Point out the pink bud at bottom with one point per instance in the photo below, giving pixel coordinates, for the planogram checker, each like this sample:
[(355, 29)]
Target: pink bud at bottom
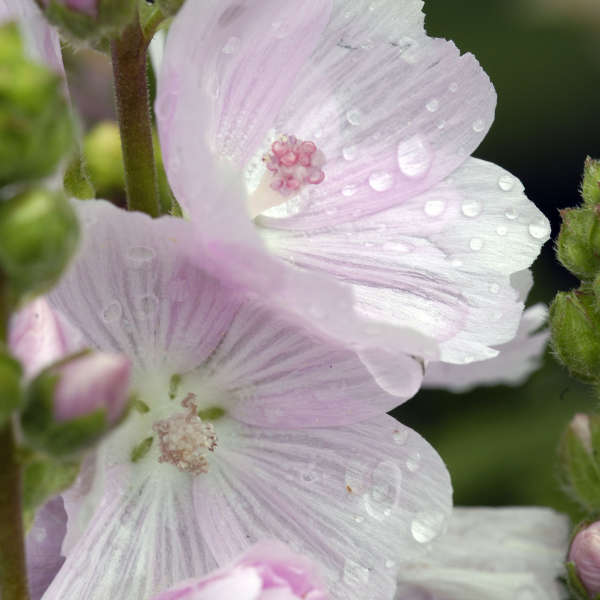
[(585, 553), (92, 382)]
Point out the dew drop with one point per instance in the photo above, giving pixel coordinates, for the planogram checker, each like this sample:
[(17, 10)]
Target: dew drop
[(413, 461), (148, 306), (384, 494), (426, 526), (354, 116), (232, 45), (472, 208), (112, 312), (453, 87), (539, 229), (501, 230), (441, 124), (350, 152), (476, 244), (434, 208), (456, 263), (355, 574), (400, 436), (414, 159), (506, 183), (389, 564), (511, 214), (141, 256), (494, 288), (358, 518), (39, 533), (349, 190), (478, 125), (381, 181), (433, 105)]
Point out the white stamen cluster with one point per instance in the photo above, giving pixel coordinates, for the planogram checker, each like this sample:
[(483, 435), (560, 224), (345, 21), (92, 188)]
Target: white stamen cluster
[(185, 438)]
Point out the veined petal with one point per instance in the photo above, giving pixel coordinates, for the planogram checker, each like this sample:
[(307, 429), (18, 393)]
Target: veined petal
[(43, 546), (514, 364), (356, 499), (142, 537), (284, 377), (133, 289), (492, 553)]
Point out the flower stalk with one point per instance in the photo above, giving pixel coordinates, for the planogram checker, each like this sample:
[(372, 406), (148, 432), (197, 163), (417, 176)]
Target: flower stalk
[(129, 56)]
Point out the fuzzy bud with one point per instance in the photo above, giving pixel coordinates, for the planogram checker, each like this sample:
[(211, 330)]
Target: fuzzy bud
[(38, 234), (578, 462), (585, 556), (90, 20), (36, 130), (590, 186), (575, 327), (578, 244), (71, 404)]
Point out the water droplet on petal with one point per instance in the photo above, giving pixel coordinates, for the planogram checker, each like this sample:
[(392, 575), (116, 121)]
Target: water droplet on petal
[(112, 312), (349, 190), (539, 229), (232, 45), (471, 208), (426, 526), (433, 105), (384, 494), (414, 159), (506, 183), (441, 124), (141, 256), (511, 214), (478, 125), (501, 230), (453, 87), (355, 574), (354, 116), (389, 564), (456, 263), (434, 208), (400, 436), (476, 244), (381, 181), (494, 288), (358, 518), (413, 461), (148, 306), (350, 152)]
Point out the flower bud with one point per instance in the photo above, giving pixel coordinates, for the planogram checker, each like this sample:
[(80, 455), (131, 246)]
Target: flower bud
[(71, 404), (38, 235), (36, 130), (575, 327), (590, 186), (578, 244), (578, 460), (90, 20), (585, 556)]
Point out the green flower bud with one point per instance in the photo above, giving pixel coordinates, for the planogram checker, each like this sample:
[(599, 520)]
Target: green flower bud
[(91, 21), (36, 130), (38, 235), (578, 460), (578, 244), (590, 186), (10, 386), (575, 328)]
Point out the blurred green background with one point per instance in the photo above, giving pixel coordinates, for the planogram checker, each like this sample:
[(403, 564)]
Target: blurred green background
[(543, 57)]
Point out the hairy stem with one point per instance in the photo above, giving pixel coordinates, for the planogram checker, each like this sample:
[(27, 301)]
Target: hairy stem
[(13, 571), (129, 55)]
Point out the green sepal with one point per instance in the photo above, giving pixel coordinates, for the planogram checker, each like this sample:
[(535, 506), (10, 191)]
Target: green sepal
[(578, 244), (11, 395), (44, 478), (60, 439), (39, 232), (76, 181), (36, 129), (576, 587), (590, 186), (579, 469)]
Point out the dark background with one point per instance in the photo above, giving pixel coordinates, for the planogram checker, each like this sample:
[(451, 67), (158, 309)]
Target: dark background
[(544, 60)]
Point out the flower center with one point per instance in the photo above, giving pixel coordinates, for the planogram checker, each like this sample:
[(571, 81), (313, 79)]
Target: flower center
[(185, 439), (292, 164)]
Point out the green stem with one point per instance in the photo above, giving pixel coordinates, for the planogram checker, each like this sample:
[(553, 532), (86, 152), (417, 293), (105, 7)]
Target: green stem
[(13, 571), (129, 55)]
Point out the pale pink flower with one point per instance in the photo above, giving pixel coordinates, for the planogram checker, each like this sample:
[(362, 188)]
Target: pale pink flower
[(418, 239), (268, 571), (259, 429), (585, 553), (492, 554)]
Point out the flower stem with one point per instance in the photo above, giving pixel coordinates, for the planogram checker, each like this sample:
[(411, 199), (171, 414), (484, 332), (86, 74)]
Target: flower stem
[(13, 570), (129, 55)]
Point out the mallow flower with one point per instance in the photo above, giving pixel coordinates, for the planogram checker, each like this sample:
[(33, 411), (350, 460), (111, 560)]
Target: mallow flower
[(351, 131), (492, 554), (267, 571), (247, 426)]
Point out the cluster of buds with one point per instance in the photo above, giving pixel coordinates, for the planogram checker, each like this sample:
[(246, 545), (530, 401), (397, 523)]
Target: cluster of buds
[(575, 315)]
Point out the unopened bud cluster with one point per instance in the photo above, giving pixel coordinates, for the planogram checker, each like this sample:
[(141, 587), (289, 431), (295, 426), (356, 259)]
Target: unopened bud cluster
[(575, 315)]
